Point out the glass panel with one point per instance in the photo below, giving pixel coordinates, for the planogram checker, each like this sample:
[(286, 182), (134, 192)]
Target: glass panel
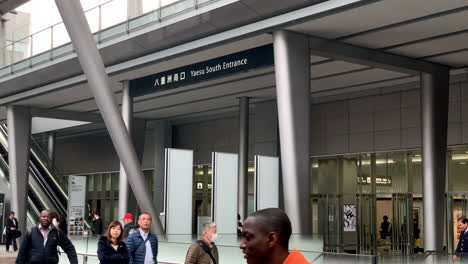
[(115, 181), (458, 166), (113, 31), (113, 13), (5, 71), (42, 41), (41, 58), (91, 183), (60, 35), (93, 19), (21, 50), (98, 179), (143, 20), (62, 50), (21, 65), (168, 2), (415, 171), (176, 8), (199, 2), (108, 179)]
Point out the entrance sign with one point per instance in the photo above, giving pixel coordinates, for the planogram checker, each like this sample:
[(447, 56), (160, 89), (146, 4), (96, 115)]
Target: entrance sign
[(224, 192), (266, 182), (178, 191), (76, 205), (219, 67)]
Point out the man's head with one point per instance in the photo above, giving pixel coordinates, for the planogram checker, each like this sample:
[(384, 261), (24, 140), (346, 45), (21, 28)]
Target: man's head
[(385, 218), (45, 218), (144, 221), (462, 224), (11, 215), (128, 218), (265, 233), (209, 232), (96, 215)]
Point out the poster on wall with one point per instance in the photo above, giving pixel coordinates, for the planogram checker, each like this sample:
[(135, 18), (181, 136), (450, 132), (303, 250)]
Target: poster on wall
[(349, 218), (76, 205)]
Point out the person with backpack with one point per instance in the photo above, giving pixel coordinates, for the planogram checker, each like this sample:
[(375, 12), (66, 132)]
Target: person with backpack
[(204, 251), (142, 245), (40, 244)]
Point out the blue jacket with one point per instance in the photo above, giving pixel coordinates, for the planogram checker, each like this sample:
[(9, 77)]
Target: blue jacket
[(137, 253)]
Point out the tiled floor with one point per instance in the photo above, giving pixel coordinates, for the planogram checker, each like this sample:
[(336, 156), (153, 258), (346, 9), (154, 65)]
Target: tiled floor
[(7, 257)]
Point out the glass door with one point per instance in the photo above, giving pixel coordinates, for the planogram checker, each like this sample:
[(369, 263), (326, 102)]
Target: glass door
[(329, 207), (366, 224), (402, 226)]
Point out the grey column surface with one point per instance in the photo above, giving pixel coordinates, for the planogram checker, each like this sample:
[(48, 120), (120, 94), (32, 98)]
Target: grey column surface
[(434, 115), (243, 156), (292, 73), (99, 83), (51, 148), (163, 140), (127, 115), (19, 139)]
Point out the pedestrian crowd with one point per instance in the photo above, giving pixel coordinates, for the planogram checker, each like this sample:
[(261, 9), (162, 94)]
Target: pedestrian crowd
[(264, 239)]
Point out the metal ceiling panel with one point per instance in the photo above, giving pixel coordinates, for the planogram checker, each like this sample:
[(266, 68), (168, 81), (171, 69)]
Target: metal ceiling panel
[(436, 46), (370, 16), (414, 31), (459, 59)]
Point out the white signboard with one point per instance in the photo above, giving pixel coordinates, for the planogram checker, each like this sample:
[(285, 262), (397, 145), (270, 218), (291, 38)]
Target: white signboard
[(266, 182), (224, 192), (178, 191), (76, 205)]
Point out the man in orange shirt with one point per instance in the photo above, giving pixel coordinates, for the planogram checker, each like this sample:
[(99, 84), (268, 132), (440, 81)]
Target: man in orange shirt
[(265, 239)]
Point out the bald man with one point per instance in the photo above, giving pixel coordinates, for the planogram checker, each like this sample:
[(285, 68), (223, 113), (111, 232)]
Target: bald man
[(265, 239)]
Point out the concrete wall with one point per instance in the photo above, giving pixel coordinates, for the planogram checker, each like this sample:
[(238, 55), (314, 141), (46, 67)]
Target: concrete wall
[(382, 122)]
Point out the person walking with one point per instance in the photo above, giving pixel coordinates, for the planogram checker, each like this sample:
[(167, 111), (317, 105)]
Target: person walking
[(111, 248), (265, 239), (204, 251), (39, 246), (462, 248), (96, 227), (11, 231), (143, 245), (129, 227)]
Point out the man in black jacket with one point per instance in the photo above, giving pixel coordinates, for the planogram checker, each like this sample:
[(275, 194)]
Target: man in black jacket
[(96, 227), (39, 246), (11, 232), (462, 248)]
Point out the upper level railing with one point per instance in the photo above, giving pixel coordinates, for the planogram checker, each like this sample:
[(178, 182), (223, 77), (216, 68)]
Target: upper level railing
[(53, 42)]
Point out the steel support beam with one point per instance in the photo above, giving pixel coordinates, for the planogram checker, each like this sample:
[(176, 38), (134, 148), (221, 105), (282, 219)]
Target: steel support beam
[(434, 116), (293, 92), (19, 139), (243, 156), (346, 52), (99, 82)]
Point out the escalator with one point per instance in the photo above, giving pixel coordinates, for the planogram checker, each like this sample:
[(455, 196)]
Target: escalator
[(45, 189)]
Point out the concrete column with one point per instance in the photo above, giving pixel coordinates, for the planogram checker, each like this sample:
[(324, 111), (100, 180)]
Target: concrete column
[(51, 148), (163, 139), (292, 71), (19, 139), (127, 115), (99, 84), (243, 156), (434, 116)]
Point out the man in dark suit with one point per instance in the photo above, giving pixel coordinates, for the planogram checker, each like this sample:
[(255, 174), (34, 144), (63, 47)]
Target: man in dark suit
[(11, 232), (462, 249)]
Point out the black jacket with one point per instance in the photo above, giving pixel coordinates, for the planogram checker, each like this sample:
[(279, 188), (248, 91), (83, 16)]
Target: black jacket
[(108, 255), (33, 251), (97, 226), (462, 248), (127, 228), (11, 223)]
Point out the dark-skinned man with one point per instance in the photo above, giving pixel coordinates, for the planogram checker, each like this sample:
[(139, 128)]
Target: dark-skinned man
[(265, 239), (39, 245)]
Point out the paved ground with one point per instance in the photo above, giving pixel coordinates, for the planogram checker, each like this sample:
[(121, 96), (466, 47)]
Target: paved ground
[(7, 257)]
